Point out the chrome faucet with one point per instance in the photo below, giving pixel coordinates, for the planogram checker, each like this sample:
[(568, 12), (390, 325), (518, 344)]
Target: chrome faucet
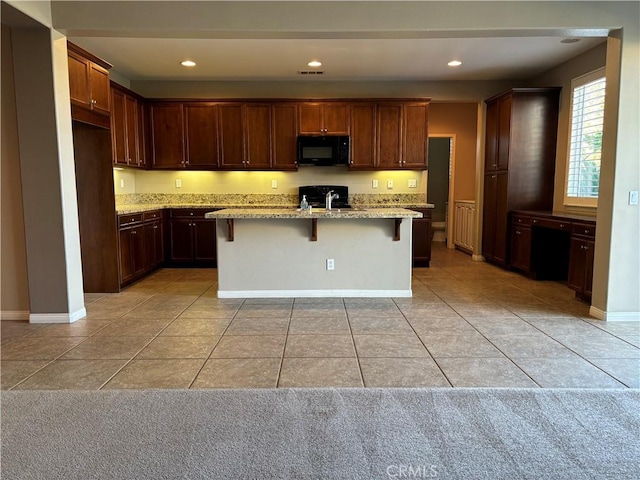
[(330, 196)]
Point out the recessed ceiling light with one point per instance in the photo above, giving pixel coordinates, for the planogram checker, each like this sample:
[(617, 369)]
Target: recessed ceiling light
[(454, 63), (188, 63), (570, 40), (314, 63)]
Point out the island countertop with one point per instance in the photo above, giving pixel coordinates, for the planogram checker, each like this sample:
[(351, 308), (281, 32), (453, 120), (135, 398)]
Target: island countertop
[(236, 213)]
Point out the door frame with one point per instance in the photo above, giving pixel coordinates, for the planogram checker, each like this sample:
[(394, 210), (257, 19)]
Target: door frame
[(452, 169)]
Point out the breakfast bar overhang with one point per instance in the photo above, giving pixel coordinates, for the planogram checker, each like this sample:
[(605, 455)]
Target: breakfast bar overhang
[(264, 252)]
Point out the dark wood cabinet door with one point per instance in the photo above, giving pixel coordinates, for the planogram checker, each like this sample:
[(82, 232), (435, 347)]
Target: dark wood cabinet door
[(204, 240), (310, 119), (502, 219), (79, 89), (118, 128), (181, 240), (491, 138), (153, 244), (126, 256), (335, 119), (131, 117), (421, 231), (167, 135), (389, 131), (489, 215), (284, 130), (141, 135), (415, 133), (504, 133), (257, 130), (363, 136), (201, 132), (138, 249), (231, 137), (590, 246), (521, 248), (577, 264), (100, 88)]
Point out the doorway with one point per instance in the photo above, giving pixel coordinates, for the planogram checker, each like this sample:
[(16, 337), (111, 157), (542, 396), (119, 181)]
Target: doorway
[(439, 175)]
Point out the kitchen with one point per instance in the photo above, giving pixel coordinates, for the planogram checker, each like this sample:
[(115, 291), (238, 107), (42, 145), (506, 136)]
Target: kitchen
[(443, 119)]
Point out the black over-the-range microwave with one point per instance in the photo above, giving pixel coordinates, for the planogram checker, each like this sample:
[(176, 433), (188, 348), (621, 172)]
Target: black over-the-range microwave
[(325, 150)]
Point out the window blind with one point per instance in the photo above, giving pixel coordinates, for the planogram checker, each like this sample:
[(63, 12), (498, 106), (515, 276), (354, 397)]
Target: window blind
[(587, 120)]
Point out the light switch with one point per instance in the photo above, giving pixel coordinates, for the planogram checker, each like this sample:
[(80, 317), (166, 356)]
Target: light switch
[(413, 183), (122, 183), (389, 184), (178, 183), (633, 197), (374, 183), (274, 183)]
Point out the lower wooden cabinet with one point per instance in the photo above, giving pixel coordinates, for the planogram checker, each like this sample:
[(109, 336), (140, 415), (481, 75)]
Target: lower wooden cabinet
[(581, 260), (191, 237), (422, 238), (140, 244), (521, 248)]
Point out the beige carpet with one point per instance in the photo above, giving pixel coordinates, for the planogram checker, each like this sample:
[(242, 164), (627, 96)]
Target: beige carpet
[(321, 434)]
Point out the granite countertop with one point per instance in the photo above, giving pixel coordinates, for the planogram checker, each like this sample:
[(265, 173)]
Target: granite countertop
[(315, 213), (147, 207)]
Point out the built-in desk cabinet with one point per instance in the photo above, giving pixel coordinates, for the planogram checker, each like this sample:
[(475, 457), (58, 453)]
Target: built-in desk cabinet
[(548, 246), (520, 151)]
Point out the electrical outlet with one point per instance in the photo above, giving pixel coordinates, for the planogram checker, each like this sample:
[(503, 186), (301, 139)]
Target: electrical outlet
[(374, 183), (122, 183), (413, 183), (178, 183), (274, 183), (389, 184), (633, 197), (330, 264)]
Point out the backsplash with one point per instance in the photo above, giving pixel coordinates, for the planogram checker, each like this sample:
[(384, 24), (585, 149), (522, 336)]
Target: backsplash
[(233, 199)]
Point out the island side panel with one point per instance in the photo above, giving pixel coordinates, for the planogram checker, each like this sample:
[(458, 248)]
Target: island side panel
[(276, 257)]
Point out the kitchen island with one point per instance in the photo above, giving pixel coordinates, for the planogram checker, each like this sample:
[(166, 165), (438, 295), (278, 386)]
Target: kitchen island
[(284, 252)]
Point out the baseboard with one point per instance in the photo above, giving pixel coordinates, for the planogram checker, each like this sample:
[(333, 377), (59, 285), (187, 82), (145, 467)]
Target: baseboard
[(477, 258), (58, 317), (14, 315), (614, 316), (312, 293)]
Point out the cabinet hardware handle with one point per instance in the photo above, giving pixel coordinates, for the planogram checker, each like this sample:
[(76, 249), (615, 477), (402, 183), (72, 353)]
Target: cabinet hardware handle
[(494, 176), (518, 232), (535, 221), (586, 231), (190, 213), (562, 225)]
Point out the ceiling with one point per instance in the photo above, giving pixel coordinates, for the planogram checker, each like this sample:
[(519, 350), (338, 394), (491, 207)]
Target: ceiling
[(414, 59)]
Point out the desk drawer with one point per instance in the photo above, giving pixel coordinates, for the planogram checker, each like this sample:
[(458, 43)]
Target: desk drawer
[(553, 224), (584, 230), (522, 220), (190, 212)]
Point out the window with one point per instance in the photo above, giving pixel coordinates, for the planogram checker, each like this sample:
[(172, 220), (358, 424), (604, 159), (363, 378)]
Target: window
[(585, 139)]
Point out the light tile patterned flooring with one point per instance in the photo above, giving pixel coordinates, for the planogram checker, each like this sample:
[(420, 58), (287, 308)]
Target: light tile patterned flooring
[(468, 324)]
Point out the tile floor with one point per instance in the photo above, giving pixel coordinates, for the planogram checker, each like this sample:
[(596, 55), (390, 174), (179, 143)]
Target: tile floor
[(468, 324)]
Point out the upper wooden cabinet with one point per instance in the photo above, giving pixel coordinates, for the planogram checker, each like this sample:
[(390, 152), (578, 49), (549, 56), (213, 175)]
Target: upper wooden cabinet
[(128, 128), (324, 118), (89, 87), (262, 135), (201, 135), (403, 132), (166, 124), (284, 118), (363, 136)]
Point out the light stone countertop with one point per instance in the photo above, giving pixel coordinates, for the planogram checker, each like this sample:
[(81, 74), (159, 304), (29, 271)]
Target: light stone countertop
[(147, 207), (235, 213)]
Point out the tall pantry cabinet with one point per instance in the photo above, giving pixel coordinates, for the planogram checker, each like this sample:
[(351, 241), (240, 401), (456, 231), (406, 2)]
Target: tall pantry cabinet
[(520, 154)]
